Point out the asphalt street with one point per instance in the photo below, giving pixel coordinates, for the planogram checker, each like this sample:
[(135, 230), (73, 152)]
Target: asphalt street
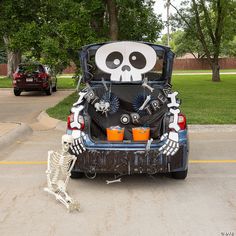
[(203, 204)]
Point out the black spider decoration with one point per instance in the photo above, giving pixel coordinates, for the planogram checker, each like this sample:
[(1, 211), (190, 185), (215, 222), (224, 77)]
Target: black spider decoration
[(113, 100)]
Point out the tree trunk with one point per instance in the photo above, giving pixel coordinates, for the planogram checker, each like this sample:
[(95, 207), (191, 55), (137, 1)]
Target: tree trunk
[(215, 71), (113, 22), (13, 60)]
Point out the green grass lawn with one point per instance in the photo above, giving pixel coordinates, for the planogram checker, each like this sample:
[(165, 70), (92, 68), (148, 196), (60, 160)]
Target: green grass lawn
[(5, 82), (65, 83), (62, 109), (203, 101), (62, 83)]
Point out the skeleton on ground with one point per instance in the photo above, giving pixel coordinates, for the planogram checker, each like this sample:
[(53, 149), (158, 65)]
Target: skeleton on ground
[(58, 173)]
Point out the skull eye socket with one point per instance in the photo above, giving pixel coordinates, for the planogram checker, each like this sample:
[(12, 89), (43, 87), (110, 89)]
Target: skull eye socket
[(137, 60), (114, 60)]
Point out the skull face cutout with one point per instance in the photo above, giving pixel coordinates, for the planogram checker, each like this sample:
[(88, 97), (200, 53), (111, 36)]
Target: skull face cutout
[(125, 61)]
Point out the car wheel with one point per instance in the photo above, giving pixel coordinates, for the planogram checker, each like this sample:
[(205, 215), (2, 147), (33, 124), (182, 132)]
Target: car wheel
[(76, 175), (54, 89), (179, 174), (17, 92), (49, 90)]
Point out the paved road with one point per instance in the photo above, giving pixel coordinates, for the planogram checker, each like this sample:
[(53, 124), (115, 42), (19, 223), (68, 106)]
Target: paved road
[(26, 107), (203, 204)]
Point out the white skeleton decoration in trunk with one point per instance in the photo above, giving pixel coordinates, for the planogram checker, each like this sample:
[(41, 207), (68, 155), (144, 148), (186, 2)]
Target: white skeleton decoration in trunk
[(171, 139), (58, 173), (77, 147)]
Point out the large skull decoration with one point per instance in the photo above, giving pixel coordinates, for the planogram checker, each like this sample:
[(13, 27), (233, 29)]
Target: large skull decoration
[(125, 61)]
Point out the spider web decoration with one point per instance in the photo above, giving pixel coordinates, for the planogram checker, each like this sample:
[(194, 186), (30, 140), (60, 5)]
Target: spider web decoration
[(138, 102), (113, 100)]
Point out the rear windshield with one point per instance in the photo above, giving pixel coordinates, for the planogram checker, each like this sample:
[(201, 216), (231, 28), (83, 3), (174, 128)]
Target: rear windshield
[(155, 74), (30, 68)]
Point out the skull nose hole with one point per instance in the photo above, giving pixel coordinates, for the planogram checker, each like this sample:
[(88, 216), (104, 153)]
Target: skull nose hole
[(125, 67)]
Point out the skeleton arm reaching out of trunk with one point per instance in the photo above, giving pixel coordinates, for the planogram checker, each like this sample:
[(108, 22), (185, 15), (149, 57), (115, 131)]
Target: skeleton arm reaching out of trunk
[(171, 139)]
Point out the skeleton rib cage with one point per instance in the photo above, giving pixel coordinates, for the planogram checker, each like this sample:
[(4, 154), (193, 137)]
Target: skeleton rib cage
[(59, 166)]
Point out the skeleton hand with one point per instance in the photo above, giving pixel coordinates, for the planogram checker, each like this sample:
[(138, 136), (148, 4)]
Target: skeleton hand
[(77, 146), (171, 145)]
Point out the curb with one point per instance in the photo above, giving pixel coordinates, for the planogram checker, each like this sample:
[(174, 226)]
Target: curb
[(211, 128), (51, 123), (16, 134)]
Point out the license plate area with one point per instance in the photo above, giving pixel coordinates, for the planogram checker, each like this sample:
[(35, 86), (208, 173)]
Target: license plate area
[(29, 80)]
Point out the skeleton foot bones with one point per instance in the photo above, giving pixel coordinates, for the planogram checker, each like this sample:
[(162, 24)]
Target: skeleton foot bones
[(171, 139), (58, 173)]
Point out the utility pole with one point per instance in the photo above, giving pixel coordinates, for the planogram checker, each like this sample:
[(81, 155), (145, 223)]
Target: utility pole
[(168, 22)]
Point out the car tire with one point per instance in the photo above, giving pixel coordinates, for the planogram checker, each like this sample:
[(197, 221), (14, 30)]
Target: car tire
[(76, 175), (179, 174), (49, 90), (54, 89), (17, 92)]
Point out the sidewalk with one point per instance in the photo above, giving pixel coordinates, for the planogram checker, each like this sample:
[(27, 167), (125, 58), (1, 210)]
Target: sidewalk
[(12, 132), (7, 127)]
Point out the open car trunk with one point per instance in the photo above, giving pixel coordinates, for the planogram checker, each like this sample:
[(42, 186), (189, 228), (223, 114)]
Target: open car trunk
[(127, 99)]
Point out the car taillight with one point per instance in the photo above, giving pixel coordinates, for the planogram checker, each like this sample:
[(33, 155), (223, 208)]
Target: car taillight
[(70, 119), (17, 76), (42, 75), (182, 122)]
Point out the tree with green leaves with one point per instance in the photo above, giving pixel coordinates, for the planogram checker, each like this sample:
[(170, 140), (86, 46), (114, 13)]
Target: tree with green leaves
[(53, 31), (182, 43), (211, 22)]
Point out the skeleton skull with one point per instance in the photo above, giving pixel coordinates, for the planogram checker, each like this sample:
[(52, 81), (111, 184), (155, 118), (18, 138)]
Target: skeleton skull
[(125, 61), (66, 141)]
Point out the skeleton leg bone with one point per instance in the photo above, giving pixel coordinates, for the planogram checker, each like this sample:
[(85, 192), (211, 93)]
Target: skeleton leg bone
[(113, 181), (174, 125)]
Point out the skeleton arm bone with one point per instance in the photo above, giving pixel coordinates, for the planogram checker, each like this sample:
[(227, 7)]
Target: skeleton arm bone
[(145, 84), (174, 125), (145, 102), (76, 111), (81, 98), (74, 158), (48, 171)]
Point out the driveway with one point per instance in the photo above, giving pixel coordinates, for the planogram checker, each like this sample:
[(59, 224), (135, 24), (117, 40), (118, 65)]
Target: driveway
[(26, 108)]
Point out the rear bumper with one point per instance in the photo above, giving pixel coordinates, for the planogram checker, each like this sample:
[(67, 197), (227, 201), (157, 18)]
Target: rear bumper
[(31, 86), (131, 158)]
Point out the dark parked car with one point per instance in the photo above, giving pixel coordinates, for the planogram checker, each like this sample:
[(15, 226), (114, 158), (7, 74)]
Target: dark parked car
[(127, 118), (33, 77)]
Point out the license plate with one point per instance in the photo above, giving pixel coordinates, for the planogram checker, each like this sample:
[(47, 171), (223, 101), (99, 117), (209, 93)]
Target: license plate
[(29, 79)]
